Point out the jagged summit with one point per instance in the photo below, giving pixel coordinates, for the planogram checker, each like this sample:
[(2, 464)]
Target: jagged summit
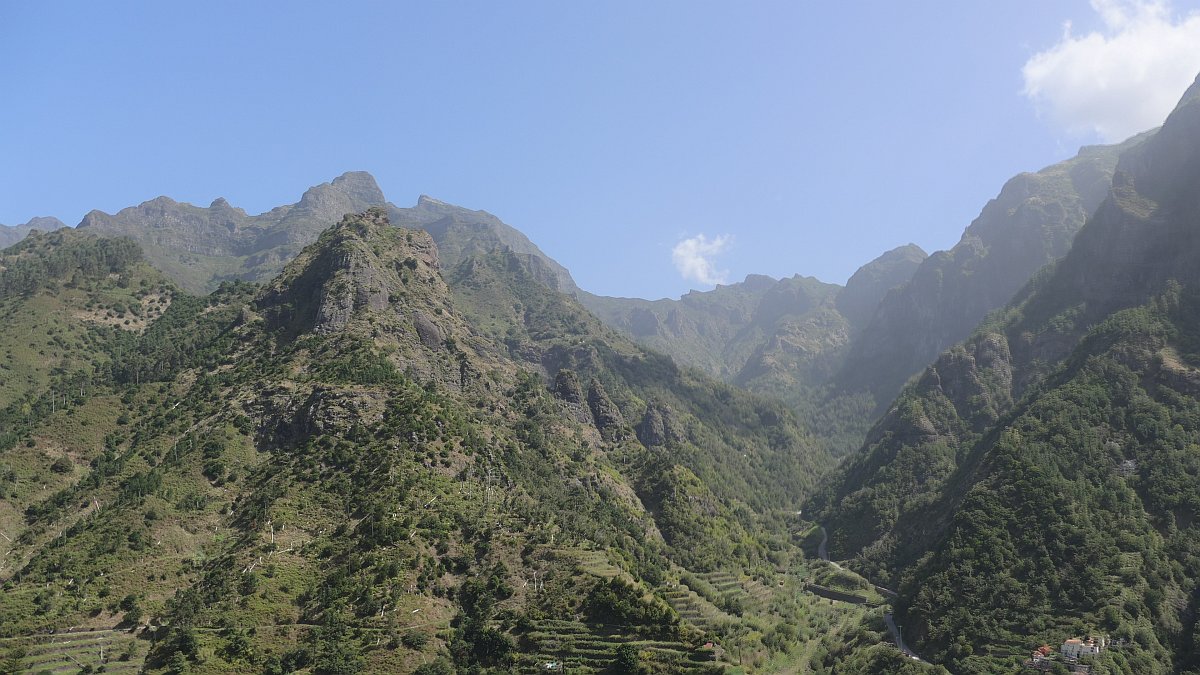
[(222, 204), (365, 281), (201, 247), (758, 281), (427, 201), (352, 187)]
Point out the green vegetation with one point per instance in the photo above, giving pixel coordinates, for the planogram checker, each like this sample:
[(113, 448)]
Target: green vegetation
[(1039, 481), (338, 473)]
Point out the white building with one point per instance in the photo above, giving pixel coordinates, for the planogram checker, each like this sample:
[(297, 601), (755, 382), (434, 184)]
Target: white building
[(1075, 647)]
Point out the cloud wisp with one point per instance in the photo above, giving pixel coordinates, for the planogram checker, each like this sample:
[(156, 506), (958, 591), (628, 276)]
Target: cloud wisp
[(693, 257), (1119, 81)]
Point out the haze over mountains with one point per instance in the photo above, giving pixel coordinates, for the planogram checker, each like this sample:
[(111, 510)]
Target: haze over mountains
[(314, 422), (1054, 453)]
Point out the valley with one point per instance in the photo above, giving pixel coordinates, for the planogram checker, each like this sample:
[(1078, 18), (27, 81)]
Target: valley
[(344, 436)]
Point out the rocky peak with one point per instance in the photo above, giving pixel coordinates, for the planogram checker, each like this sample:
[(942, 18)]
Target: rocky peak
[(758, 282), (361, 265), (93, 218), (159, 203), (351, 192), (425, 201), (360, 186), (608, 417), (658, 426), (221, 206)]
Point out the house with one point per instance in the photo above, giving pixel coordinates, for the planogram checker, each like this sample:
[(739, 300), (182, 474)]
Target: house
[(713, 651), (1128, 468), (1076, 647)]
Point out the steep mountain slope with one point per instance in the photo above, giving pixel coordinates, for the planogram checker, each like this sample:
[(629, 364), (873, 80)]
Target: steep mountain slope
[(869, 284), (1030, 223), (461, 233), (1041, 479), (353, 468), (200, 247), (11, 234)]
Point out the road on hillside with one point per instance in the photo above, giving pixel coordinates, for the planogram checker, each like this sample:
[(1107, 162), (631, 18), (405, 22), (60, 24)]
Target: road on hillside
[(823, 554), (822, 551), (895, 631)]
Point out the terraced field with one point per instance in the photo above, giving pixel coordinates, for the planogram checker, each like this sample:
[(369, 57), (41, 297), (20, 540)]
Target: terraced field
[(580, 647), (695, 609), (753, 595), (595, 563), (117, 651), (759, 595)]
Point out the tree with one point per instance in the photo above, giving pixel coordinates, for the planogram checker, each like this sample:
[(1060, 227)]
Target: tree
[(626, 661)]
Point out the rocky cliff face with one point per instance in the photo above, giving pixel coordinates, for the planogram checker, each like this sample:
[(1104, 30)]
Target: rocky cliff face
[(365, 282)]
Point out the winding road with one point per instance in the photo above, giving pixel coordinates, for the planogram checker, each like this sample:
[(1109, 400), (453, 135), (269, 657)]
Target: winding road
[(823, 554), (822, 551)]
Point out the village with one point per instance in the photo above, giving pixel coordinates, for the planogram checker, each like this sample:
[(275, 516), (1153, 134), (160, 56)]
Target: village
[(1071, 652)]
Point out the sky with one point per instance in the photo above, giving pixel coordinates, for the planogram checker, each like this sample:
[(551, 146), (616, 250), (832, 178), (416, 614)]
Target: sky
[(650, 147)]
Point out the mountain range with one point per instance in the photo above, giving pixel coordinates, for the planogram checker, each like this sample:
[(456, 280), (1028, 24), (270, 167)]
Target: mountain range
[(345, 436)]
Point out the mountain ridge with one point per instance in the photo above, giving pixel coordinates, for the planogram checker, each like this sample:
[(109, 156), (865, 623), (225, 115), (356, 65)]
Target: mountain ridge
[(1053, 445)]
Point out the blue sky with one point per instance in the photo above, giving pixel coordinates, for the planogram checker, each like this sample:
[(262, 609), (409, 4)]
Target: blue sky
[(795, 137)]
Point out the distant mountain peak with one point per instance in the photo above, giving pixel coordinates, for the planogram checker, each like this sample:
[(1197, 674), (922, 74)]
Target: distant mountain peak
[(872, 282), (426, 200), (222, 205), (11, 234), (357, 180), (160, 201), (759, 281), (45, 223), (358, 187)]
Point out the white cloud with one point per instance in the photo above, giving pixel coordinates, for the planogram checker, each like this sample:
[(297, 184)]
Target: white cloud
[(693, 258), (1122, 80)]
